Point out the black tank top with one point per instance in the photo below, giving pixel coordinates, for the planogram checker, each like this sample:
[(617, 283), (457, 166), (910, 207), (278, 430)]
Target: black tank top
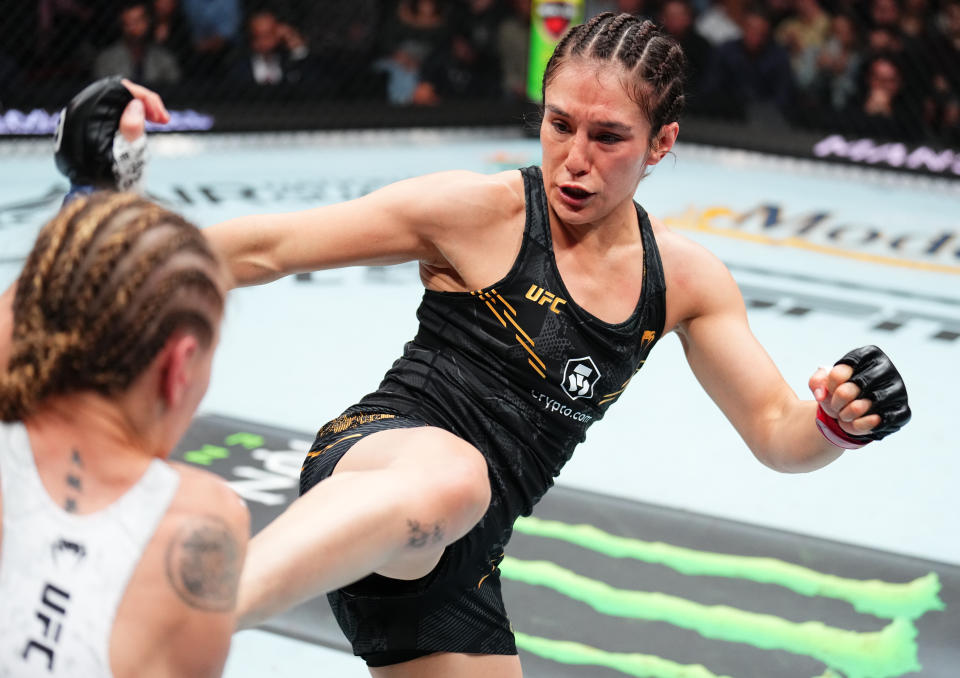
[(517, 368)]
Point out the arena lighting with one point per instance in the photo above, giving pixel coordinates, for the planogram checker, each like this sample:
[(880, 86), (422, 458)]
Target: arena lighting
[(39, 122), (892, 154)]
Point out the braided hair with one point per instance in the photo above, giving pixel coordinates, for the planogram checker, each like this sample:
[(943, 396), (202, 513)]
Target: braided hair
[(110, 278), (653, 60)]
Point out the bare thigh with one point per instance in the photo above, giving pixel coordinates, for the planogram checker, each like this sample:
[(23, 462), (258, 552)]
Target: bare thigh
[(446, 664), (446, 482)]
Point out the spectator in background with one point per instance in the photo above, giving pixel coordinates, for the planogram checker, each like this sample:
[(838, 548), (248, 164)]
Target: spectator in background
[(417, 29), (459, 71), (421, 26), (887, 37), (888, 23), (884, 40), (135, 56), (721, 22), (751, 76), (942, 59), (513, 41), (780, 10), (276, 53), (9, 78), (943, 55), (345, 34), (170, 31), (942, 111), (473, 50), (806, 29), (478, 21), (828, 73), (676, 16), (916, 18), (885, 14), (885, 111), (69, 33), (402, 71), (214, 27)]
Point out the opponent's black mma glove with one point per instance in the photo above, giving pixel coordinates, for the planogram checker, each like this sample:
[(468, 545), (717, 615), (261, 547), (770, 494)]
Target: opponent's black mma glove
[(880, 382), (89, 149)]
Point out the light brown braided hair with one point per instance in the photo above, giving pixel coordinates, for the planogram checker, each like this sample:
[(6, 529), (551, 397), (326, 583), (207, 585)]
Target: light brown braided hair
[(109, 280), (653, 60)]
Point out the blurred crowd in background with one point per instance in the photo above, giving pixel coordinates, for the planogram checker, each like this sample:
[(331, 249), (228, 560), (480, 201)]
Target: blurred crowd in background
[(887, 69)]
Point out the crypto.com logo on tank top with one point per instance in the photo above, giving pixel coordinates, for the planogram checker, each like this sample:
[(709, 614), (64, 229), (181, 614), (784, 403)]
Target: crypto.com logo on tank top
[(579, 377)]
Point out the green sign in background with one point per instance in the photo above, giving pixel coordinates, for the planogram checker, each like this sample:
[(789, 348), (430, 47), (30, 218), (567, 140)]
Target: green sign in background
[(548, 22)]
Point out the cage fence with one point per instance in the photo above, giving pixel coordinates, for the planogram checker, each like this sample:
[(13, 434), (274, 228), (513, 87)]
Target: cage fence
[(888, 70)]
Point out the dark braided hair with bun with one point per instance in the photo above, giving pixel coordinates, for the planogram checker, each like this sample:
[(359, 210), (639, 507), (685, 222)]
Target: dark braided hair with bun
[(109, 280), (653, 60)]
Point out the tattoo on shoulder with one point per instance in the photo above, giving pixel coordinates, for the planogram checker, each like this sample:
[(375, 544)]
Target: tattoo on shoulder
[(203, 564), (422, 535)]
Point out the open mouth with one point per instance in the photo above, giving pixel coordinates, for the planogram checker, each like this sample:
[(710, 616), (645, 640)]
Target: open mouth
[(575, 193)]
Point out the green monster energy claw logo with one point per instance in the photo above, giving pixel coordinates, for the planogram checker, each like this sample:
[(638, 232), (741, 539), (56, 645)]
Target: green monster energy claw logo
[(888, 653)]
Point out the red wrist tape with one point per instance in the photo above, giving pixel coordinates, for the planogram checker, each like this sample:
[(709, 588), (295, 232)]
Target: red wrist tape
[(830, 428)]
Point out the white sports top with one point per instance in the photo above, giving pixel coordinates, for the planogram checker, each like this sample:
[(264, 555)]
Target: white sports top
[(62, 575)]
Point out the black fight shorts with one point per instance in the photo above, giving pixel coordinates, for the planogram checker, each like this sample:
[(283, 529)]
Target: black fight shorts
[(457, 607)]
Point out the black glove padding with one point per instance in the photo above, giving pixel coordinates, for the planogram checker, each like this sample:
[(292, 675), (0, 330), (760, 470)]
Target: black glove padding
[(880, 382), (88, 125)]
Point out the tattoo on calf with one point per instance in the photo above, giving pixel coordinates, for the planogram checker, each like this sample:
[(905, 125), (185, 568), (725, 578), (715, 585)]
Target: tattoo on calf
[(422, 535), (203, 564)]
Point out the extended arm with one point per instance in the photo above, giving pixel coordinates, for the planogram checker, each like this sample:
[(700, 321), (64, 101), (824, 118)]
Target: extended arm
[(401, 222), (737, 373)]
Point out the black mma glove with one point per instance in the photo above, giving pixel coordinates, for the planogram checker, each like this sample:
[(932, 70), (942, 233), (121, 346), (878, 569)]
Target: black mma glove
[(880, 382), (89, 149)]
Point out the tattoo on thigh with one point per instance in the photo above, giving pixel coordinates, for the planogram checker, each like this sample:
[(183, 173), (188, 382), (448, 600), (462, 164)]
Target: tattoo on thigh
[(203, 564), (422, 535)]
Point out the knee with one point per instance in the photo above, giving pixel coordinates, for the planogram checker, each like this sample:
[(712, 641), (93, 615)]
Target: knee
[(460, 485)]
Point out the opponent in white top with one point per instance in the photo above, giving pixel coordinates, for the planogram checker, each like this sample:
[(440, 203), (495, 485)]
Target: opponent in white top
[(113, 562)]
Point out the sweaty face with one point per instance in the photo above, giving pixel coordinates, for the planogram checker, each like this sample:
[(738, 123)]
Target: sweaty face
[(595, 142)]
